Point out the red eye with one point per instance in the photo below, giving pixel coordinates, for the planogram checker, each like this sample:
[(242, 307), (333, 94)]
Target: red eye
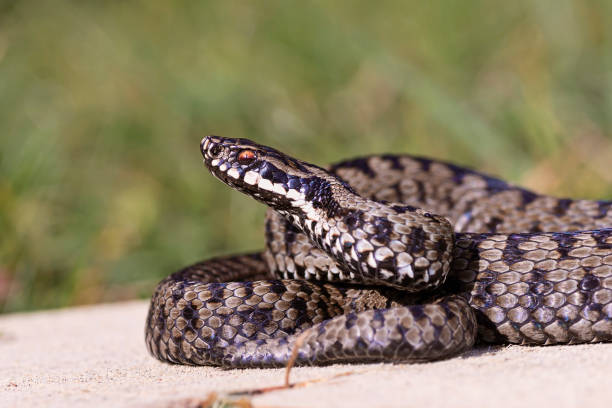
[(246, 157)]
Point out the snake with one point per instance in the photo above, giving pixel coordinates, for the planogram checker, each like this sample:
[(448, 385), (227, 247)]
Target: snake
[(385, 258)]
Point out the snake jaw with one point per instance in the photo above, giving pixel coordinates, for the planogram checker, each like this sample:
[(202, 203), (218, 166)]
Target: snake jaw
[(204, 144)]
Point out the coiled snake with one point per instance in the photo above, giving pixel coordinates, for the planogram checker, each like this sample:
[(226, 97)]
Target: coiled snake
[(361, 267)]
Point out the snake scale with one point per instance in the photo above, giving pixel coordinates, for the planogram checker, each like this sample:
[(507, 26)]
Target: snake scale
[(386, 258)]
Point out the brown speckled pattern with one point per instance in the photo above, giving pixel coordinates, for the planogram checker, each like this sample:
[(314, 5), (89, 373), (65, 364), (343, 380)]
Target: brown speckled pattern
[(527, 288)]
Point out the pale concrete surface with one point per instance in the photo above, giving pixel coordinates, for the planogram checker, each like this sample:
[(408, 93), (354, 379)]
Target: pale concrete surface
[(95, 356)]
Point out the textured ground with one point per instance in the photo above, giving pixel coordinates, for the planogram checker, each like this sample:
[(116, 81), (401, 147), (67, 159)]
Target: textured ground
[(95, 356)]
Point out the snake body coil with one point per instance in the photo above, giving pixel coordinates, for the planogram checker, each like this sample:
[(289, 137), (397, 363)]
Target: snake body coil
[(359, 266)]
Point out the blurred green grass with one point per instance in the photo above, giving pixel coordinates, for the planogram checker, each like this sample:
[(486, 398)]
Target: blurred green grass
[(103, 105)]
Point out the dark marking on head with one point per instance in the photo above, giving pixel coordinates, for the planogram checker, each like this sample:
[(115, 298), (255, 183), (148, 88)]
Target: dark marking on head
[(280, 177), (294, 183), (266, 171)]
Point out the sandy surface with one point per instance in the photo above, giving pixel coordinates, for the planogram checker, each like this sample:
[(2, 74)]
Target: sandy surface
[(95, 356)]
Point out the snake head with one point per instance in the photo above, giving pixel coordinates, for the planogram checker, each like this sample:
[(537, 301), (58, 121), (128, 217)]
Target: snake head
[(264, 173)]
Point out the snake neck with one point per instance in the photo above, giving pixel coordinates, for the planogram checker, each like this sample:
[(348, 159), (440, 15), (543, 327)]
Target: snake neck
[(398, 245)]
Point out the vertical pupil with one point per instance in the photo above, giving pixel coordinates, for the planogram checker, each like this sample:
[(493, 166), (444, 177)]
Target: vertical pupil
[(246, 156)]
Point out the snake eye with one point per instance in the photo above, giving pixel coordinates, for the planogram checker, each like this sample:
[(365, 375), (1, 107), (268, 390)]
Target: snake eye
[(215, 151), (246, 157)]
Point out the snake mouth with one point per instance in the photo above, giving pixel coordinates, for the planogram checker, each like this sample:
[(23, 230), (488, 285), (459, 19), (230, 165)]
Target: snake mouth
[(204, 145)]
